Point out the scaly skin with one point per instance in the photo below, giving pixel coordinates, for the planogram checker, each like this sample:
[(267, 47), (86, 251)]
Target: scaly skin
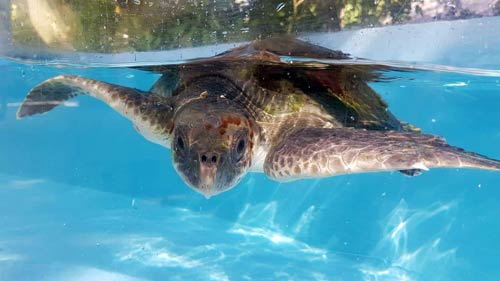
[(151, 114), (314, 152), (232, 114)]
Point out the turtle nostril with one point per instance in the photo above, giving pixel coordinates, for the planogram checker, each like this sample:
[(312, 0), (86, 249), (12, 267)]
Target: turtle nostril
[(209, 158)]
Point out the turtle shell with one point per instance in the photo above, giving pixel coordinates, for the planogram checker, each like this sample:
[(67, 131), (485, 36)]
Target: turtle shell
[(269, 71)]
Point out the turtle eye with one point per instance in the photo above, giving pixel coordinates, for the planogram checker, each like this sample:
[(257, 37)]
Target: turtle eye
[(180, 143), (241, 146), (239, 150)]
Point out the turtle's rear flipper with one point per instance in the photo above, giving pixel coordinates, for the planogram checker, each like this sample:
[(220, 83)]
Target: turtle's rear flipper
[(318, 152)]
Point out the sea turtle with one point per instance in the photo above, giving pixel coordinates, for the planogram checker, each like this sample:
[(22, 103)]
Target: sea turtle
[(248, 110)]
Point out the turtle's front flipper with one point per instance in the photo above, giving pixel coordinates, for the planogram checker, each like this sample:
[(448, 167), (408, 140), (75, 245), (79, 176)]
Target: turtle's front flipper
[(151, 114), (317, 152)]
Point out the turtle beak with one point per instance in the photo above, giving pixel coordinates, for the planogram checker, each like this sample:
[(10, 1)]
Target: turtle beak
[(207, 180), (208, 174)]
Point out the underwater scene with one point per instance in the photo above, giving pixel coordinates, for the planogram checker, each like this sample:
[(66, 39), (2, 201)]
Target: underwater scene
[(125, 180)]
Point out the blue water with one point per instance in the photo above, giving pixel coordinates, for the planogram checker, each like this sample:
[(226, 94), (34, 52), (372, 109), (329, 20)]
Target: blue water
[(84, 197)]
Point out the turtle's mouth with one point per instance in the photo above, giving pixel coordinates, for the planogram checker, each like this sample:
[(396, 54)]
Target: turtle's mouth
[(207, 181), (202, 179)]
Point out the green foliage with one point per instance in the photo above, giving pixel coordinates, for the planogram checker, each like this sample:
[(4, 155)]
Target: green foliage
[(141, 25), (97, 25)]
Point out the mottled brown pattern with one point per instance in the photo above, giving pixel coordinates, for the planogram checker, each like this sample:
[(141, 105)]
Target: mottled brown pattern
[(343, 151), (149, 112), (246, 109)]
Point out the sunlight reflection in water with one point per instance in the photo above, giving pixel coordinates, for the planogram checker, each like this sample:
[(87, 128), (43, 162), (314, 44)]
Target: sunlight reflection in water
[(151, 240), (81, 273), (259, 221), (404, 262), (145, 250)]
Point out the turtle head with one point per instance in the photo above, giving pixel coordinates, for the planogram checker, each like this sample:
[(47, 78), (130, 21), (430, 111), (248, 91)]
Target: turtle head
[(211, 145)]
